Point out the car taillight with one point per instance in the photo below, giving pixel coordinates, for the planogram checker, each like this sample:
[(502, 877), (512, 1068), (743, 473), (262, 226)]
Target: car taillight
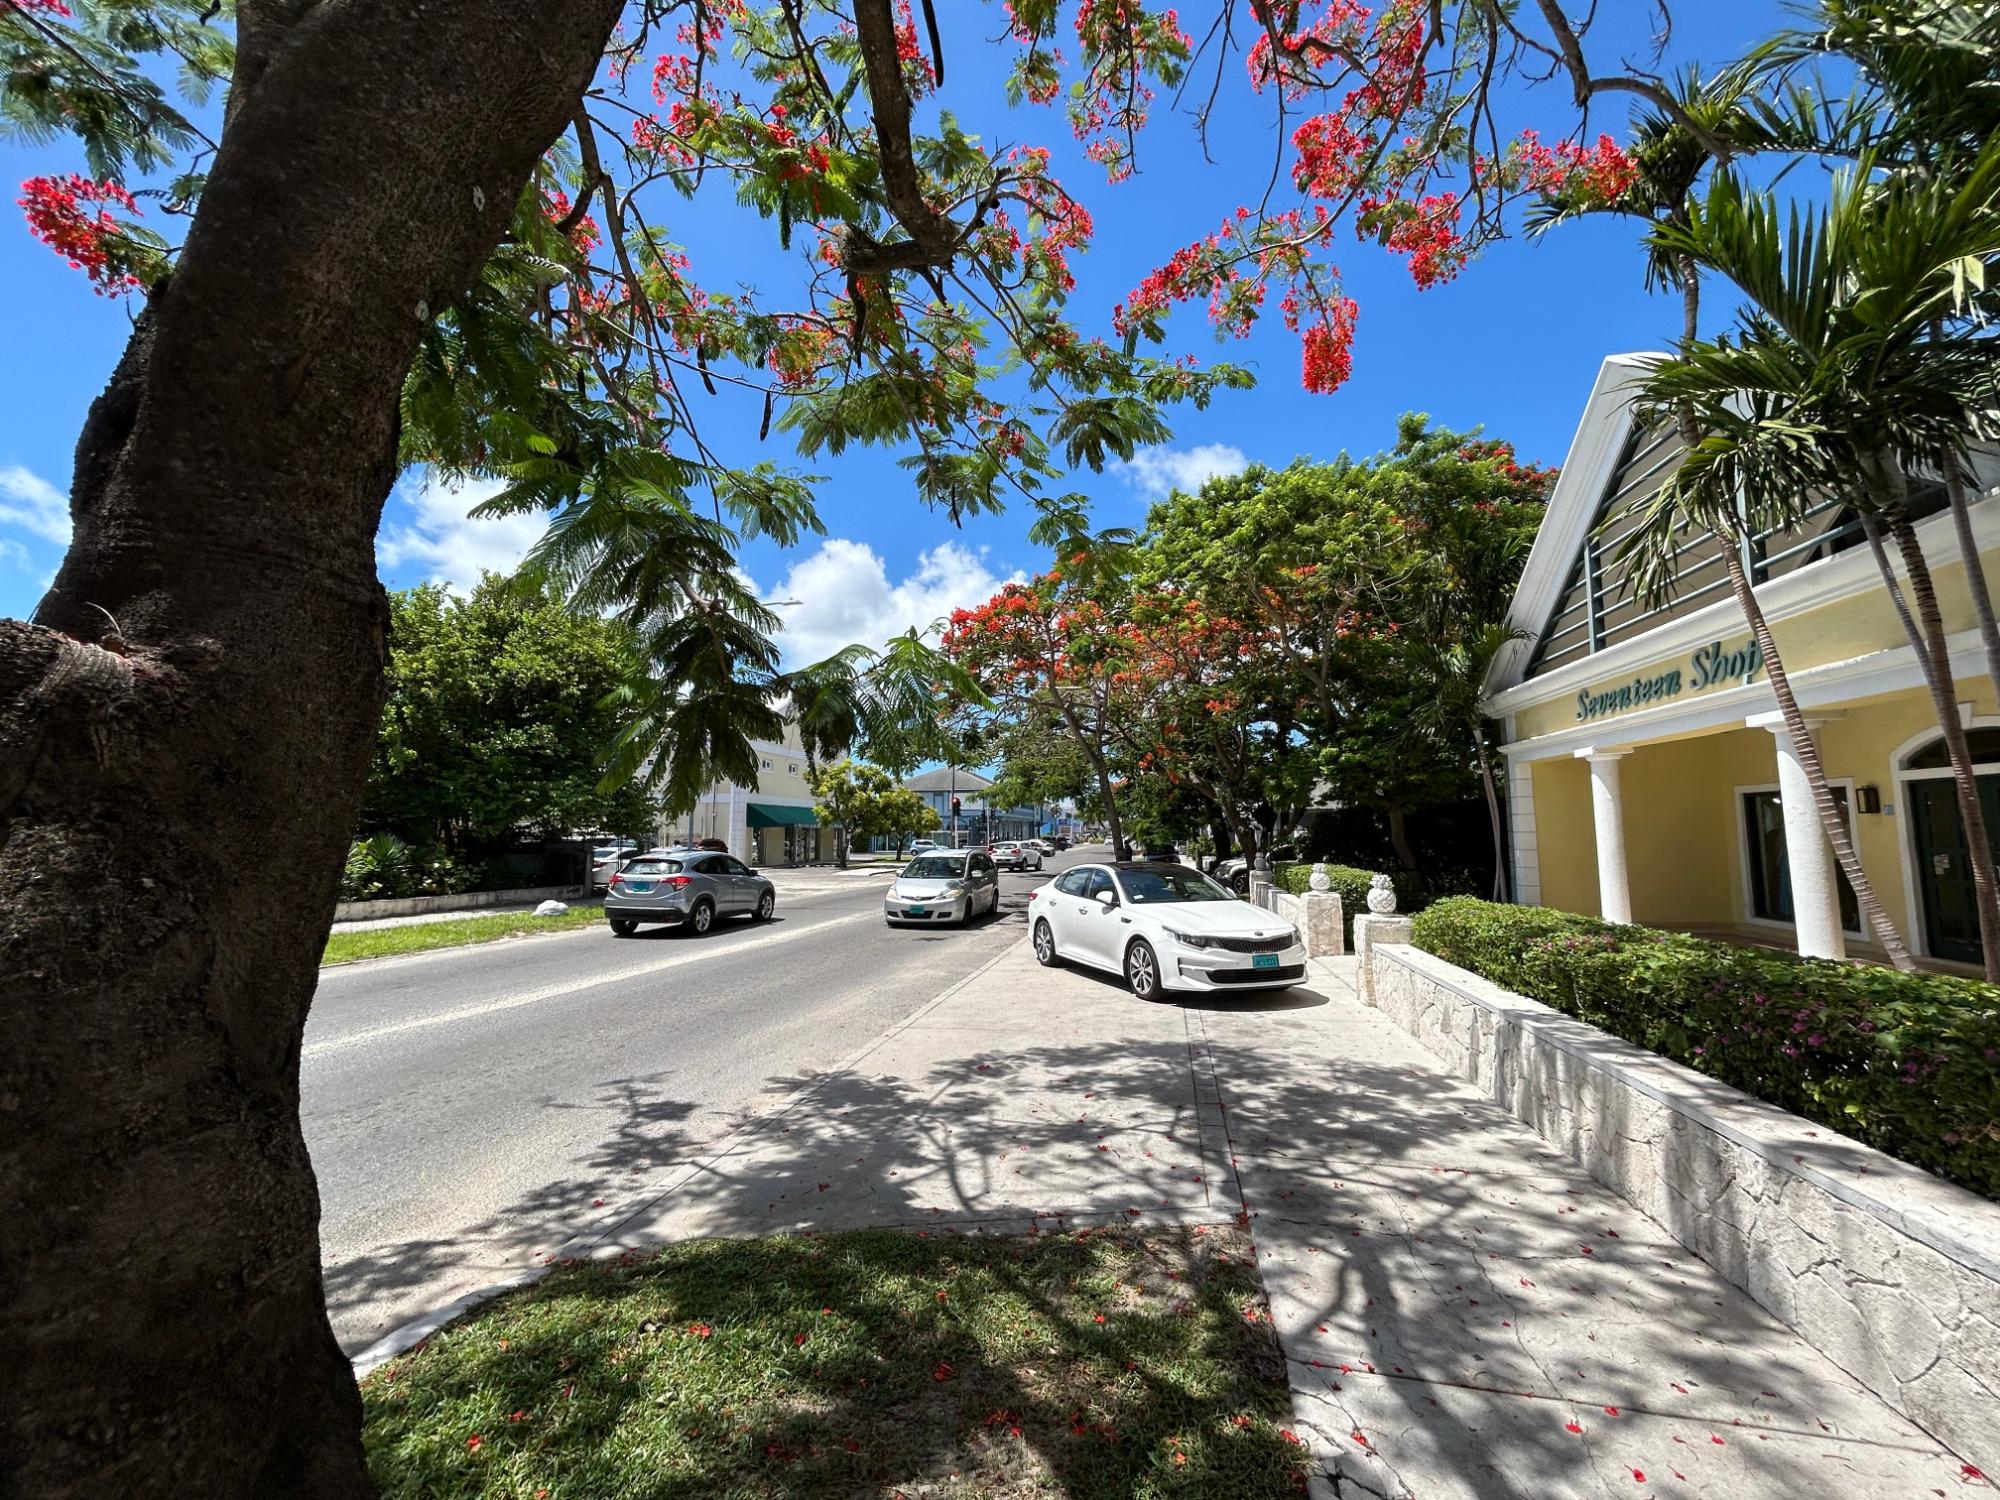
[(677, 882), (616, 881)]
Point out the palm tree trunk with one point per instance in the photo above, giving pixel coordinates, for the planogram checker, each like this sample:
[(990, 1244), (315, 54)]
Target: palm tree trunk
[(1493, 813), (1931, 647), (1975, 571), (1830, 816)]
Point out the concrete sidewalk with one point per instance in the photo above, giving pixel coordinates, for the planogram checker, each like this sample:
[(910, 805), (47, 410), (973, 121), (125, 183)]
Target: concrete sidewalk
[(1466, 1313)]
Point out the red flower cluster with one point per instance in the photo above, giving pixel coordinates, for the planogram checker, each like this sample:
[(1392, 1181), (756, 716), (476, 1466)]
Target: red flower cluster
[(1593, 177), (1329, 346), (1065, 225), (58, 213), (918, 73), (584, 235), (41, 7), (1427, 232)]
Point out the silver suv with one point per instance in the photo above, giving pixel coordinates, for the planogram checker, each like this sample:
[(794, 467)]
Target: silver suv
[(686, 887)]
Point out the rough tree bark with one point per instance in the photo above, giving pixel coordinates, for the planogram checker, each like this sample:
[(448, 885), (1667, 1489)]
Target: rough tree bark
[(176, 791)]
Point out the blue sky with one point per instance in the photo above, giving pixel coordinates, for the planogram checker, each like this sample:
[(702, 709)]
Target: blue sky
[(1512, 345)]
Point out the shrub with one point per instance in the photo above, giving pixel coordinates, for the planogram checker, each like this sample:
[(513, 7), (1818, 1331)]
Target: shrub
[(1909, 1063), (377, 866)]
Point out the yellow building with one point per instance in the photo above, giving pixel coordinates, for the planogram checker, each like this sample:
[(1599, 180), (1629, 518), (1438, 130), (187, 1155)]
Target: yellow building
[(768, 822), (1648, 776)]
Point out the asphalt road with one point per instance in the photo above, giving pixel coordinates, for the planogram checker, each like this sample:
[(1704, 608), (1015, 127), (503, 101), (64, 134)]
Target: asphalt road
[(469, 1108)]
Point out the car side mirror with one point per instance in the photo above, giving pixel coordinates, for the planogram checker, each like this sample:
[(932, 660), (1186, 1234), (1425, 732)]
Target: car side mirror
[(1108, 898)]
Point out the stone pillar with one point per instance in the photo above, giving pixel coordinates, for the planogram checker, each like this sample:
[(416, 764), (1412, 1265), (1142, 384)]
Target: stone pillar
[(1370, 932), (1322, 926), (1607, 806), (1260, 889), (1808, 854)]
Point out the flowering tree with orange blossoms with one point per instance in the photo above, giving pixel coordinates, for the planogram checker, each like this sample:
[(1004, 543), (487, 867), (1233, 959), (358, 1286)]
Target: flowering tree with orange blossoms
[(1045, 652), (1317, 606)]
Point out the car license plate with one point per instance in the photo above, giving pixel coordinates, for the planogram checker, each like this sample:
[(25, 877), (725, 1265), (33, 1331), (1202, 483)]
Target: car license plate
[(913, 911), (1263, 960), (639, 887)]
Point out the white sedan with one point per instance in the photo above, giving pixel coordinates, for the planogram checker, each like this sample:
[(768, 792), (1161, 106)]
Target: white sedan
[(1163, 927)]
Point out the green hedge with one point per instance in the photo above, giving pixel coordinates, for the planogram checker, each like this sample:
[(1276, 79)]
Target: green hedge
[(1909, 1063)]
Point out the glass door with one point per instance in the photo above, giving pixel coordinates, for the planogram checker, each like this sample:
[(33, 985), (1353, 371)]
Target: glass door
[(1944, 873)]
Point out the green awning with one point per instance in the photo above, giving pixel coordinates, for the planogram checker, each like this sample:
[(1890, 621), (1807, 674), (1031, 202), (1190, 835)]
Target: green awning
[(769, 815)]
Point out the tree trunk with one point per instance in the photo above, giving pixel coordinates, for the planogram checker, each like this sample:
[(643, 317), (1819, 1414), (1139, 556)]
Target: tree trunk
[(1975, 570), (1399, 836), (1492, 813), (1830, 815), (1243, 831), (176, 798), (1944, 697)]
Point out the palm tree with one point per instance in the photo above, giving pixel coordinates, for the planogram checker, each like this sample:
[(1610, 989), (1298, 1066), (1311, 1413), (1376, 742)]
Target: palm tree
[(1838, 367), (1704, 493), (1929, 103)]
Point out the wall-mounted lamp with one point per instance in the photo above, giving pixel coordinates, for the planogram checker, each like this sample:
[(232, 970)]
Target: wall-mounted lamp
[(1868, 799)]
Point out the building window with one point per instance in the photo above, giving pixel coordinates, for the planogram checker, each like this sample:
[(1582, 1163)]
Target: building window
[(765, 764), (793, 768), (1770, 872)]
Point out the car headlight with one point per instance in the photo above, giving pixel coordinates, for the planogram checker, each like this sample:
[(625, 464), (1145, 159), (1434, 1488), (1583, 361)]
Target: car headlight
[(1190, 940), (954, 885)]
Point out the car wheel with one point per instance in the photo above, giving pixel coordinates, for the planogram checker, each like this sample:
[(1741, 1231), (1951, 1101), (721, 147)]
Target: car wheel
[(1045, 946), (767, 904), (702, 917), (1142, 970), (623, 927)]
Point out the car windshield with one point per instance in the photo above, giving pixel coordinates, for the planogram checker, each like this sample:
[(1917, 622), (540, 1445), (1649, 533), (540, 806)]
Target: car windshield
[(934, 867), (652, 867), (1167, 885)]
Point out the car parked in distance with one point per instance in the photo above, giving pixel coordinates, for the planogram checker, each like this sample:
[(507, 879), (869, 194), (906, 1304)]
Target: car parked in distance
[(692, 888), (605, 859), (923, 846), (1163, 928), (1061, 843), (1235, 873), (1016, 856), (943, 885), (1045, 845)]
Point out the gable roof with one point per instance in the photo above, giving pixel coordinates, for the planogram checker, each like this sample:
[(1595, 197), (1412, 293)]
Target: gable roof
[(1593, 461), (942, 780)]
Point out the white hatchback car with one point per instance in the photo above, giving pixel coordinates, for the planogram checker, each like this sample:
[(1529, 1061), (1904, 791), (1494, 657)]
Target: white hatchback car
[(1163, 927), (946, 885)]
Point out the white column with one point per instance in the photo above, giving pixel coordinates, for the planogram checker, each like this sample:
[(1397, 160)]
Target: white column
[(1814, 871), (1607, 806)]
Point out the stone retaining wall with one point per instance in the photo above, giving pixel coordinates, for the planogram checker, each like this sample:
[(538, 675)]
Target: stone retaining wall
[(1890, 1272), (416, 906)]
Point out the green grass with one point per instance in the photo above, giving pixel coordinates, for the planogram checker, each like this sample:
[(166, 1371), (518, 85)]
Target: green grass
[(418, 937), (1096, 1364)]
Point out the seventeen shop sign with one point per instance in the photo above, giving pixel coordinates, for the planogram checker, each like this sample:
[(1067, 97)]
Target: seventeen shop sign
[(1706, 668)]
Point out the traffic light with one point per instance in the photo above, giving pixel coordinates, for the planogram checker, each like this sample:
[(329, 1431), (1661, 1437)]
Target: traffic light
[(954, 807)]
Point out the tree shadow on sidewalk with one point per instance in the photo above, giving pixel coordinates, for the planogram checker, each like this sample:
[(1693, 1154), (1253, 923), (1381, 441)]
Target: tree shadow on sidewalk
[(1449, 1288)]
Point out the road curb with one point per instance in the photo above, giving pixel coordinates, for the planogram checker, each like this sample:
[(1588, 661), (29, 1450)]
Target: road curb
[(407, 1336)]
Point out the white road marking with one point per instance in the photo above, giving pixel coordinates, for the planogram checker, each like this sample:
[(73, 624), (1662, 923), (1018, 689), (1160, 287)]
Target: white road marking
[(691, 954)]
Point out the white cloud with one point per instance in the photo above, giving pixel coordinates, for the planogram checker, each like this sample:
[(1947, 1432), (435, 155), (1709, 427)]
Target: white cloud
[(845, 595), (1158, 471), (30, 502), (15, 553), (447, 541)]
